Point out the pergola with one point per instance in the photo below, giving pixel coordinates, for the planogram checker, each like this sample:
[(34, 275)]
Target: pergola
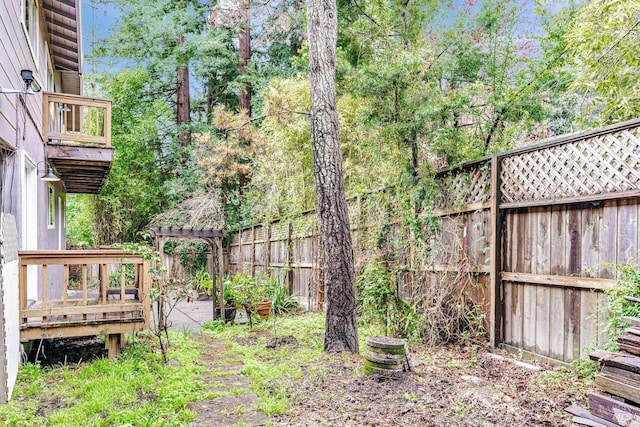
[(214, 240)]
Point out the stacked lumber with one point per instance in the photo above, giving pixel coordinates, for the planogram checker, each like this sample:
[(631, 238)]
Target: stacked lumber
[(618, 400)]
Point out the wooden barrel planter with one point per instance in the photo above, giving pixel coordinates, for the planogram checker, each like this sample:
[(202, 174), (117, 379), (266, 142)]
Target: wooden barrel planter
[(263, 308), (385, 355)]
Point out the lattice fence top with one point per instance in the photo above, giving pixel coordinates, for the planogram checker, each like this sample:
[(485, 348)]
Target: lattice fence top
[(466, 186), (594, 165)]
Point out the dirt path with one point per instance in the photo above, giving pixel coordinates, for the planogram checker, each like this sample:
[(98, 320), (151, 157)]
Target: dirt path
[(234, 403)]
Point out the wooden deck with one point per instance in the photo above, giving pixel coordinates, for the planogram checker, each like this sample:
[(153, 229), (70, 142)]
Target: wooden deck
[(77, 130), (83, 293)]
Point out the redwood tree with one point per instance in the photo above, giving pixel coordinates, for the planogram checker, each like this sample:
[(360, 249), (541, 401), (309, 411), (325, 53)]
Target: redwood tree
[(333, 221)]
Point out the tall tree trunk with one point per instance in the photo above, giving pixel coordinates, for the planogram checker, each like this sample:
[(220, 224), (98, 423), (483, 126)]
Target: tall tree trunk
[(183, 102), (335, 238), (244, 39)]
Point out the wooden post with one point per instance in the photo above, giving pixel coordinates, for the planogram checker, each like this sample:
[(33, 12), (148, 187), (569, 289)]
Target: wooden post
[(253, 250), (220, 273), (241, 258), (65, 287), (268, 261), (290, 258), (214, 296), (495, 280), (145, 292), (114, 344)]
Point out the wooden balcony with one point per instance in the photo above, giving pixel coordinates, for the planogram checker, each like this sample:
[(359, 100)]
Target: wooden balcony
[(83, 293), (77, 131)]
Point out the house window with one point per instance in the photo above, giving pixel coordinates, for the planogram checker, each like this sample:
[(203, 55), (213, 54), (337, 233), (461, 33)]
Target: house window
[(51, 213), (31, 26)]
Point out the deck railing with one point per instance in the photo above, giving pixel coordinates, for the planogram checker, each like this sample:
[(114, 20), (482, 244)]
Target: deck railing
[(83, 292), (72, 119)]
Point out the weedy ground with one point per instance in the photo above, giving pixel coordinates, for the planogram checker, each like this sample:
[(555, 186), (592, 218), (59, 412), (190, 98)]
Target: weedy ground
[(212, 377)]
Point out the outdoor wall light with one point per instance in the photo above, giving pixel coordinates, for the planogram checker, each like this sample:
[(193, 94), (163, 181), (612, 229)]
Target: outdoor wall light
[(31, 83), (48, 174)]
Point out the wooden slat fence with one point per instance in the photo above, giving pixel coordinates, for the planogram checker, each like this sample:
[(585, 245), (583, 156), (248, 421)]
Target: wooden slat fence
[(538, 229)]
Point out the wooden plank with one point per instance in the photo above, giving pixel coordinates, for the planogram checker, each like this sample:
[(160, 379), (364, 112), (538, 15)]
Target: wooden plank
[(629, 348), (529, 317), (123, 282), (633, 321), (542, 266), (618, 386), (113, 345), (556, 323), (508, 312), (471, 207), (620, 195), (602, 322), (617, 360), (495, 257), (145, 290), (104, 282), (629, 375), (633, 331), (572, 324), (89, 309), (588, 322), (560, 281), (632, 299), (573, 242), (630, 339), (587, 422), (627, 232), (518, 314), (583, 413), (84, 284), (65, 284), (608, 240), (45, 284), (557, 249), (84, 330), (613, 410), (590, 252)]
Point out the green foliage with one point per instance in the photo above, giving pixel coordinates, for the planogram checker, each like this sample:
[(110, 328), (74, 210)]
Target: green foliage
[(603, 41), (80, 218), (281, 301), (135, 188), (617, 306), (376, 294), (137, 389)]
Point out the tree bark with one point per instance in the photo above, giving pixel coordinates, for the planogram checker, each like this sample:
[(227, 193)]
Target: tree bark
[(333, 221), (244, 39), (183, 101)]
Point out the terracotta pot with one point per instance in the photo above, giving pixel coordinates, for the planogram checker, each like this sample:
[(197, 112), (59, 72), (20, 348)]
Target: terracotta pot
[(263, 308)]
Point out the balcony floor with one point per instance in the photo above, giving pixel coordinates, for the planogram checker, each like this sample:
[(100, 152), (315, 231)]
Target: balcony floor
[(82, 169)]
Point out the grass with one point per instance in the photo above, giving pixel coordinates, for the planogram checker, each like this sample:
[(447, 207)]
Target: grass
[(138, 389), (275, 371)]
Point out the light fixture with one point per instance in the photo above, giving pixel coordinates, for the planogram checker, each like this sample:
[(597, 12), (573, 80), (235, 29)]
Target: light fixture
[(30, 81), (48, 174), (31, 84)]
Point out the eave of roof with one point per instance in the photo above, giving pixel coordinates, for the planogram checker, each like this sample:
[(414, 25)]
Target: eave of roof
[(62, 18)]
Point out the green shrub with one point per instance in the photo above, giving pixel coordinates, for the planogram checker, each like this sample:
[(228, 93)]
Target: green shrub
[(617, 306)]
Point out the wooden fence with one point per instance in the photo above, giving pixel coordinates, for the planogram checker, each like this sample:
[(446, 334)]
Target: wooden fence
[(538, 228)]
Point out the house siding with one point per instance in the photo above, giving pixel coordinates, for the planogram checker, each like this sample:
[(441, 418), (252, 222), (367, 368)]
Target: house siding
[(21, 119)]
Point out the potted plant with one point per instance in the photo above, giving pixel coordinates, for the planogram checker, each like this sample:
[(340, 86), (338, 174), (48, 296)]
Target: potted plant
[(252, 294)]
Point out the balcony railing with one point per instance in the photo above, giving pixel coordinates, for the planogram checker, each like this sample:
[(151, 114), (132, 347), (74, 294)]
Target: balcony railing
[(73, 119), (82, 293)]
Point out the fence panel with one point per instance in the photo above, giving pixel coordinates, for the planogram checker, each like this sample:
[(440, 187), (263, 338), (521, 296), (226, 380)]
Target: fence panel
[(557, 216)]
